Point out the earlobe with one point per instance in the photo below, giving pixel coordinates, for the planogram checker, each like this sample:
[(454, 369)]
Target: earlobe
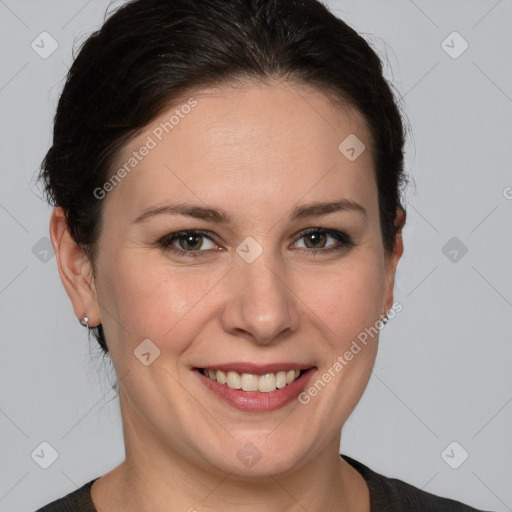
[(74, 269)]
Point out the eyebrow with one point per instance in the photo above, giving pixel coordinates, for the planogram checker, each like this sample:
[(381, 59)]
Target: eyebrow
[(220, 216)]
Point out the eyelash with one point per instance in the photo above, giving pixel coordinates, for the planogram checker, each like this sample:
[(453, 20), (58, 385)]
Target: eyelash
[(343, 241)]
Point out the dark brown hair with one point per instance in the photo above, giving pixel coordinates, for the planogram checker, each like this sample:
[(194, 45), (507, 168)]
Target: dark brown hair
[(150, 53)]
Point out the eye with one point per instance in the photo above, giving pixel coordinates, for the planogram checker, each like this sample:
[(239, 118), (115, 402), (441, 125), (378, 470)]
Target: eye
[(317, 239), (187, 243)]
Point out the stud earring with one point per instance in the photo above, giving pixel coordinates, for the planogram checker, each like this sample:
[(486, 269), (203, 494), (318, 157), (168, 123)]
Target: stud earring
[(85, 321)]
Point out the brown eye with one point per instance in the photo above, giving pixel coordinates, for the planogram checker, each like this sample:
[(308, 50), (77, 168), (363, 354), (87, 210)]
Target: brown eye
[(315, 240), (190, 241)]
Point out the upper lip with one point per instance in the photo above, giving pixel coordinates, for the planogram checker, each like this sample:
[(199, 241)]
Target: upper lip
[(256, 369)]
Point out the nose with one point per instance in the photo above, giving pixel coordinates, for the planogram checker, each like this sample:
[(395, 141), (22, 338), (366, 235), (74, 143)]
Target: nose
[(260, 304)]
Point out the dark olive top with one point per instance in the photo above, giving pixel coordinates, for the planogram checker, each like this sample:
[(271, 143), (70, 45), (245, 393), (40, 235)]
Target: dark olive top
[(386, 495)]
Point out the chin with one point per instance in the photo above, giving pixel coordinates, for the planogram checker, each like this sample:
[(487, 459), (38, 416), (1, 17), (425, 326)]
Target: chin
[(249, 457)]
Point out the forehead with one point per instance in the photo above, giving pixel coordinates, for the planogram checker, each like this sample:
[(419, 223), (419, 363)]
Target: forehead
[(249, 142)]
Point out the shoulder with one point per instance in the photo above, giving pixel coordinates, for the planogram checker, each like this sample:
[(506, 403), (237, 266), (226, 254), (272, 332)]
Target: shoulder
[(76, 501), (391, 494)]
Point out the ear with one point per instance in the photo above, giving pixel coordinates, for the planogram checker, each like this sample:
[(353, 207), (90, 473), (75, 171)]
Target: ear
[(393, 259), (74, 268)]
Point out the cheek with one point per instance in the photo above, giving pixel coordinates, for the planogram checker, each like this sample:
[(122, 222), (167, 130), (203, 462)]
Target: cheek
[(149, 300), (346, 304), (348, 297)]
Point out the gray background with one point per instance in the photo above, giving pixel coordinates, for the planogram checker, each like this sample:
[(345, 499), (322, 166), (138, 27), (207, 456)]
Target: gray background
[(443, 371)]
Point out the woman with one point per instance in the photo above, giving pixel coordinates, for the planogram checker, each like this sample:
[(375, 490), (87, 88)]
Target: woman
[(226, 176)]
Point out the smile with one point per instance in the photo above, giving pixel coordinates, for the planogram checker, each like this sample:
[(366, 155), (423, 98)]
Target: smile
[(251, 382), (256, 388)]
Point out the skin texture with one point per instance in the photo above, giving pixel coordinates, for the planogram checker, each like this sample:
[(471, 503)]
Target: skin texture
[(256, 151)]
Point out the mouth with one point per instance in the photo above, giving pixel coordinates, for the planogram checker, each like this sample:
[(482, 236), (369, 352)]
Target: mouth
[(253, 388), (251, 382)]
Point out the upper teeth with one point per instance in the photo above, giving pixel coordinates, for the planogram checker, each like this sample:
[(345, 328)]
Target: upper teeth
[(250, 382)]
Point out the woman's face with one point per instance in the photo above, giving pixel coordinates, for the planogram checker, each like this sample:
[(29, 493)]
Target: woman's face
[(245, 173)]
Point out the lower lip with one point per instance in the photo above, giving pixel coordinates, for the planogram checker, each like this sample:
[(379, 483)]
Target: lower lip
[(255, 401)]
